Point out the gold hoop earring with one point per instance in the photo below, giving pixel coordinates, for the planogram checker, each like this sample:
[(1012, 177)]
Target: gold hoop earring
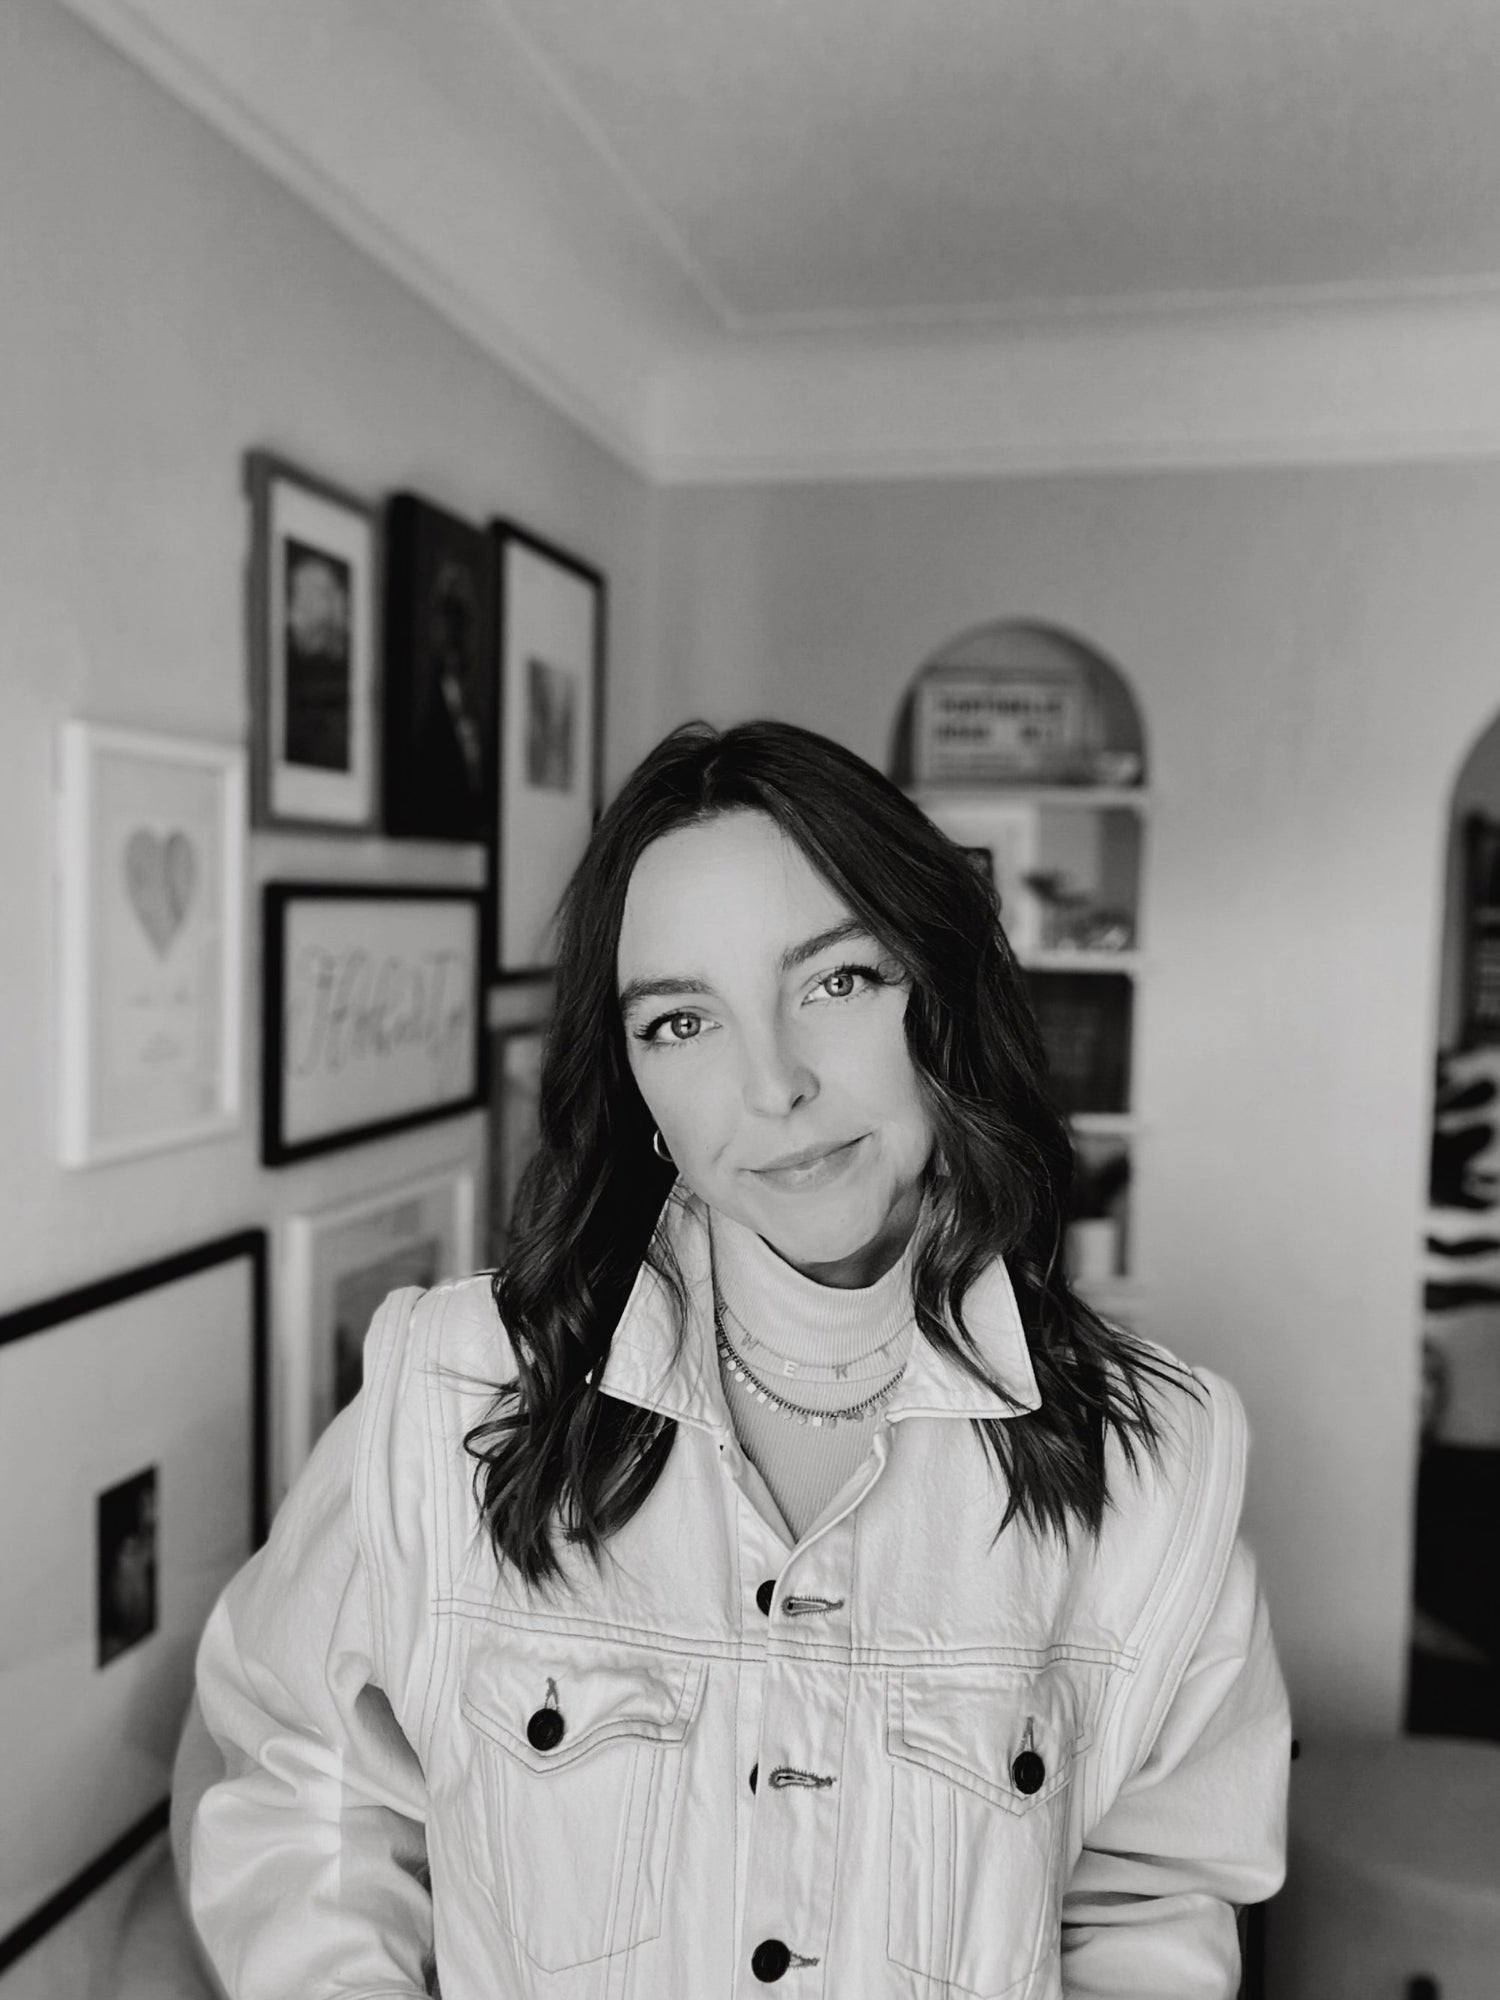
[(660, 1150)]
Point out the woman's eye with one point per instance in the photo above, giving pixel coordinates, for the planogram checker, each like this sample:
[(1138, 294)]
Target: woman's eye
[(669, 1028), (847, 981), (839, 985)]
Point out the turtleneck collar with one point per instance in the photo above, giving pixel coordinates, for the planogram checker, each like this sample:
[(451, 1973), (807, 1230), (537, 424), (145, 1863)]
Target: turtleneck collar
[(794, 1316)]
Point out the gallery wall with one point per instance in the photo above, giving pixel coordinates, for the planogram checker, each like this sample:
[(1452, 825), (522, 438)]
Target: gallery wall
[(1314, 652), (165, 307)]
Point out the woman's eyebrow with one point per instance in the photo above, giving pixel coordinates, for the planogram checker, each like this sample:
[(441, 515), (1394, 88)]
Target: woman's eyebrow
[(637, 990)]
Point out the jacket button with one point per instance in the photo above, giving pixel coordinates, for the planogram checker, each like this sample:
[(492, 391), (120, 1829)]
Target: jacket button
[(770, 1959), (545, 1729), (1028, 1772), (754, 1774), (764, 1595)]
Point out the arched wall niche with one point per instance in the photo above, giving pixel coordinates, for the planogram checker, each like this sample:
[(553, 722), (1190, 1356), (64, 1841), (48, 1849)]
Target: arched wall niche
[(1020, 649), (1453, 1684)]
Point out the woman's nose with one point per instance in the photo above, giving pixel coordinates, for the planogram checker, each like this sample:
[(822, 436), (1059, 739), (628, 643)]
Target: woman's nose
[(777, 1079)]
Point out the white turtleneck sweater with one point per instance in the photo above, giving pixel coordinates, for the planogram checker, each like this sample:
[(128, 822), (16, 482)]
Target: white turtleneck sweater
[(819, 1346)]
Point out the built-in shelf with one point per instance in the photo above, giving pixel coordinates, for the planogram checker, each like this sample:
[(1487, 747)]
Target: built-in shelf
[(1065, 960), (1087, 798)]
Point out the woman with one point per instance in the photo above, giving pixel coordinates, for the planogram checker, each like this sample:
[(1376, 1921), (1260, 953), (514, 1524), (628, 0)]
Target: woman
[(825, 1594)]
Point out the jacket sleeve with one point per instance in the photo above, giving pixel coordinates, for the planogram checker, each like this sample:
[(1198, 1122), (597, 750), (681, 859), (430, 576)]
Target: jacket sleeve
[(1197, 1829), (307, 1857)]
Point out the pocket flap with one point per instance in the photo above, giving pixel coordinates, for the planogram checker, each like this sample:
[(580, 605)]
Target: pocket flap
[(973, 1731), (600, 1694)]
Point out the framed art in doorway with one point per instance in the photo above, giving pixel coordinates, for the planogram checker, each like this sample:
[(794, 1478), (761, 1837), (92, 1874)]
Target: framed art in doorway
[(372, 1020), (336, 1266), (550, 738), (150, 922), (314, 651), (132, 1433)]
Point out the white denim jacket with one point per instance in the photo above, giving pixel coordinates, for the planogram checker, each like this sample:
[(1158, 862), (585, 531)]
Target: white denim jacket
[(891, 1761)]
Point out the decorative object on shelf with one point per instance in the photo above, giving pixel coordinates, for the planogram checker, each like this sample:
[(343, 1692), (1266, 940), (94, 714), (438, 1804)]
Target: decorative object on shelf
[(984, 726), (151, 915), (1096, 1223), (314, 651), (131, 1489), (1073, 921), (550, 774), (372, 1012), (515, 1089), (1085, 1019), (336, 1266), (439, 667)]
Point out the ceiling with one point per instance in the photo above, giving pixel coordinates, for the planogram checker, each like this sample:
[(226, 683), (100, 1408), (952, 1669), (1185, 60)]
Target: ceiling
[(786, 237)]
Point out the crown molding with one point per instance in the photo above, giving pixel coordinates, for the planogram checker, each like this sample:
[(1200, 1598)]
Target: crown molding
[(1329, 376)]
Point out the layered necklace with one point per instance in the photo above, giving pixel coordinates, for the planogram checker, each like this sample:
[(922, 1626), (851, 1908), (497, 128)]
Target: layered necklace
[(797, 1413)]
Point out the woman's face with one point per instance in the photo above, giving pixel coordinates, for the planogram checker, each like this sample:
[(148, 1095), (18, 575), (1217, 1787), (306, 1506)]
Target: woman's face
[(765, 1030)]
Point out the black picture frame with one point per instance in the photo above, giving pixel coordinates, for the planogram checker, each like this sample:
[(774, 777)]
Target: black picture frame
[(117, 1651), (440, 669), (289, 1127), (314, 754), (1085, 1020), (549, 738)]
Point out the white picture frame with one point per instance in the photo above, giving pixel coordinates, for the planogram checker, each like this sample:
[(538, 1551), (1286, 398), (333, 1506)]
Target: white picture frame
[(1009, 830), (335, 1265), (151, 863)]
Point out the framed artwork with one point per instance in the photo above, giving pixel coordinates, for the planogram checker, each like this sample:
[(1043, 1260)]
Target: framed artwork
[(314, 651), (1085, 1019), (515, 1089), (372, 1012), (550, 738), (980, 727), (150, 922), (132, 1431), (337, 1264), (439, 667)]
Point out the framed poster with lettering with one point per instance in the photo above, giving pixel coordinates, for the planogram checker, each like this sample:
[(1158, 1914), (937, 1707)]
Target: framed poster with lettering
[(550, 728), (132, 1415), (314, 651), (372, 1012), (150, 877), (334, 1268)]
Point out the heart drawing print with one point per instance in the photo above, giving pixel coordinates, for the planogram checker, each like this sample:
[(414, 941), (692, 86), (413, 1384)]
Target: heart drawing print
[(161, 872)]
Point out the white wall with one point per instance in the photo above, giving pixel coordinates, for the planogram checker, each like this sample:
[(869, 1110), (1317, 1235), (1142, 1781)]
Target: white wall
[(1315, 652), (164, 307)]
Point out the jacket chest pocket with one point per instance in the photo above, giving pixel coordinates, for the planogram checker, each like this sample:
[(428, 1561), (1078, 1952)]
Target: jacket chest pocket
[(979, 1771), (579, 1757)]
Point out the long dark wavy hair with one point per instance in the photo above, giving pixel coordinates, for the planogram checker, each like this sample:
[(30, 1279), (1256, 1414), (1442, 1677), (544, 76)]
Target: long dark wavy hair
[(555, 1454)]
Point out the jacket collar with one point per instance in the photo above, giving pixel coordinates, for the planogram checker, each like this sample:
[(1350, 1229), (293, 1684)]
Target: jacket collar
[(642, 1367)]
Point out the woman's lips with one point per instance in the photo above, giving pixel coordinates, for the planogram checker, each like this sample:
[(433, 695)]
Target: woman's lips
[(817, 1172)]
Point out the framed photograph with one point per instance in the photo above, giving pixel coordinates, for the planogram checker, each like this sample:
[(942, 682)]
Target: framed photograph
[(314, 651), (1085, 1019), (372, 1012), (132, 1431), (978, 727), (515, 1090), (550, 738), (439, 669), (1002, 838), (150, 923), (337, 1264)]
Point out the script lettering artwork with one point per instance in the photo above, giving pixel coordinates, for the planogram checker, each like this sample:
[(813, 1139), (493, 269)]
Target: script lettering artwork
[(359, 1006)]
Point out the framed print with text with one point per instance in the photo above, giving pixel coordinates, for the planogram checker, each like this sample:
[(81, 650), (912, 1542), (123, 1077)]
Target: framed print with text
[(132, 1433), (550, 738), (372, 1019), (314, 651), (337, 1265), (151, 912)]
